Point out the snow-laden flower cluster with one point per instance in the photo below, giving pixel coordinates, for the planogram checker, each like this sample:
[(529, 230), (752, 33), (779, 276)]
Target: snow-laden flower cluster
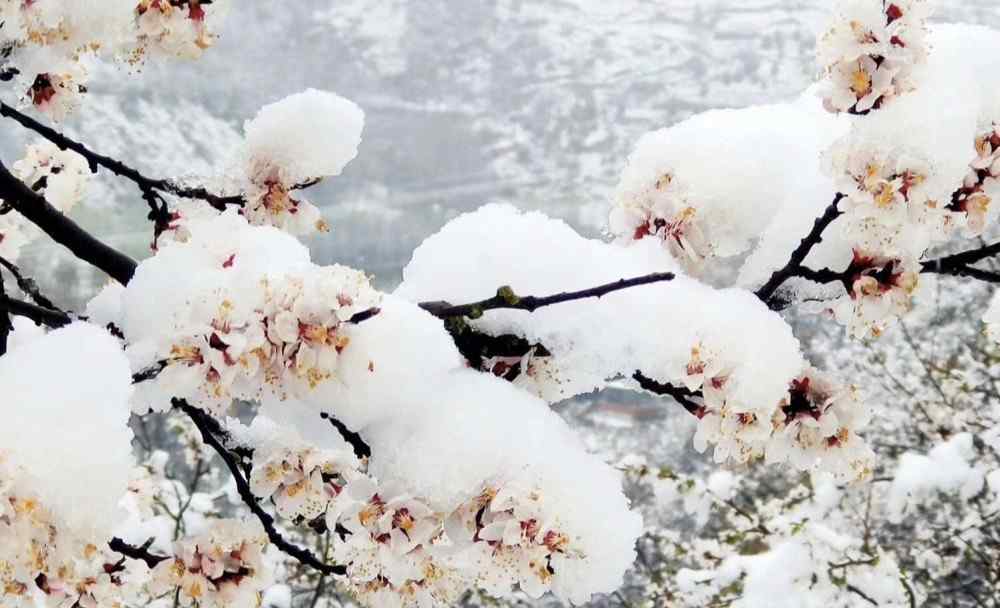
[(294, 143), (975, 198), (51, 42), (870, 51), (675, 190), (44, 561), (61, 176), (220, 567), (291, 144), (65, 459), (245, 331)]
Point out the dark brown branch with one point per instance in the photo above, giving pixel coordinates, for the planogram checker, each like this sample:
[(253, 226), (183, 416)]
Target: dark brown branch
[(38, 314), (798, 257), (209, 428), (505, 298), (680, 394), (132, 552), (361, 448), (63, 230), (149, 373), (947, 263), (146, 184), (27, 285)]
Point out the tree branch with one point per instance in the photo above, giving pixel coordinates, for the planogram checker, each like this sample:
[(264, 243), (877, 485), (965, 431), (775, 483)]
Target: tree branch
[(63, 230), (5, 324), (95, 160), (208, 427), (38, 314), (132, 552), (507, 299), (27, 285), (361, 448), (794, 265), (680, 394)]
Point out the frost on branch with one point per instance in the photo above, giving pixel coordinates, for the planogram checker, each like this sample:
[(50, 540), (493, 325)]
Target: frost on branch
[(870, 51)]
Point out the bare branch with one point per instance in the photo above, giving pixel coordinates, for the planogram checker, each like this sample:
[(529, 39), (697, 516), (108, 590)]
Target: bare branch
[(361, 448), (507, 299), (63, 230)]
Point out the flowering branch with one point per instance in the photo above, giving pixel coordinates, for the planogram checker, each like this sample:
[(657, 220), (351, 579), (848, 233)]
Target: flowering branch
[(63, 230), (507, 299), (794, 266), (146, 184), (209, 428)]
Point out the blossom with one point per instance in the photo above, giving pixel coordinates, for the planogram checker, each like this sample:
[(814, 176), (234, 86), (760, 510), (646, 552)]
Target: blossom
[(869, 53), (61, 175), (173, 27), (879, 290), (816, 426), (222, 567), (981, 187), (302, 482)]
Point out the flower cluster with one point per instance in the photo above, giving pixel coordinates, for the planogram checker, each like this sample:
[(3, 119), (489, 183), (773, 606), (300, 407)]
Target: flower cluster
[(172, 27), (880, 290), (282, 337), (663, 210), (870, 51), (400, 552), (49, 41), (302, 482), (974, 200), (285, 152), (817, 425), (61, 176), (41, 558), (222, 567)]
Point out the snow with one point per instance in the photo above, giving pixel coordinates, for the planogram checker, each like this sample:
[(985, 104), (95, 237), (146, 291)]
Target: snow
[(949, 467), (304, 136), (70, 435)]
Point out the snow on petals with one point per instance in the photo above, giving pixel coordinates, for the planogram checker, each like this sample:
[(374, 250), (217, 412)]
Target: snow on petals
[(294, 143)]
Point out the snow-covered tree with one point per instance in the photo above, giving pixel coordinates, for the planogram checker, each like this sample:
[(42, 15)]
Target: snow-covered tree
[(229, 423)]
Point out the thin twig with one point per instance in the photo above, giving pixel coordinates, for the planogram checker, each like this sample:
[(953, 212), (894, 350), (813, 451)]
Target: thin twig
[(505, 298), (361, 448), (682, 395), (132, 552), (798, 256), (27, 285)]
